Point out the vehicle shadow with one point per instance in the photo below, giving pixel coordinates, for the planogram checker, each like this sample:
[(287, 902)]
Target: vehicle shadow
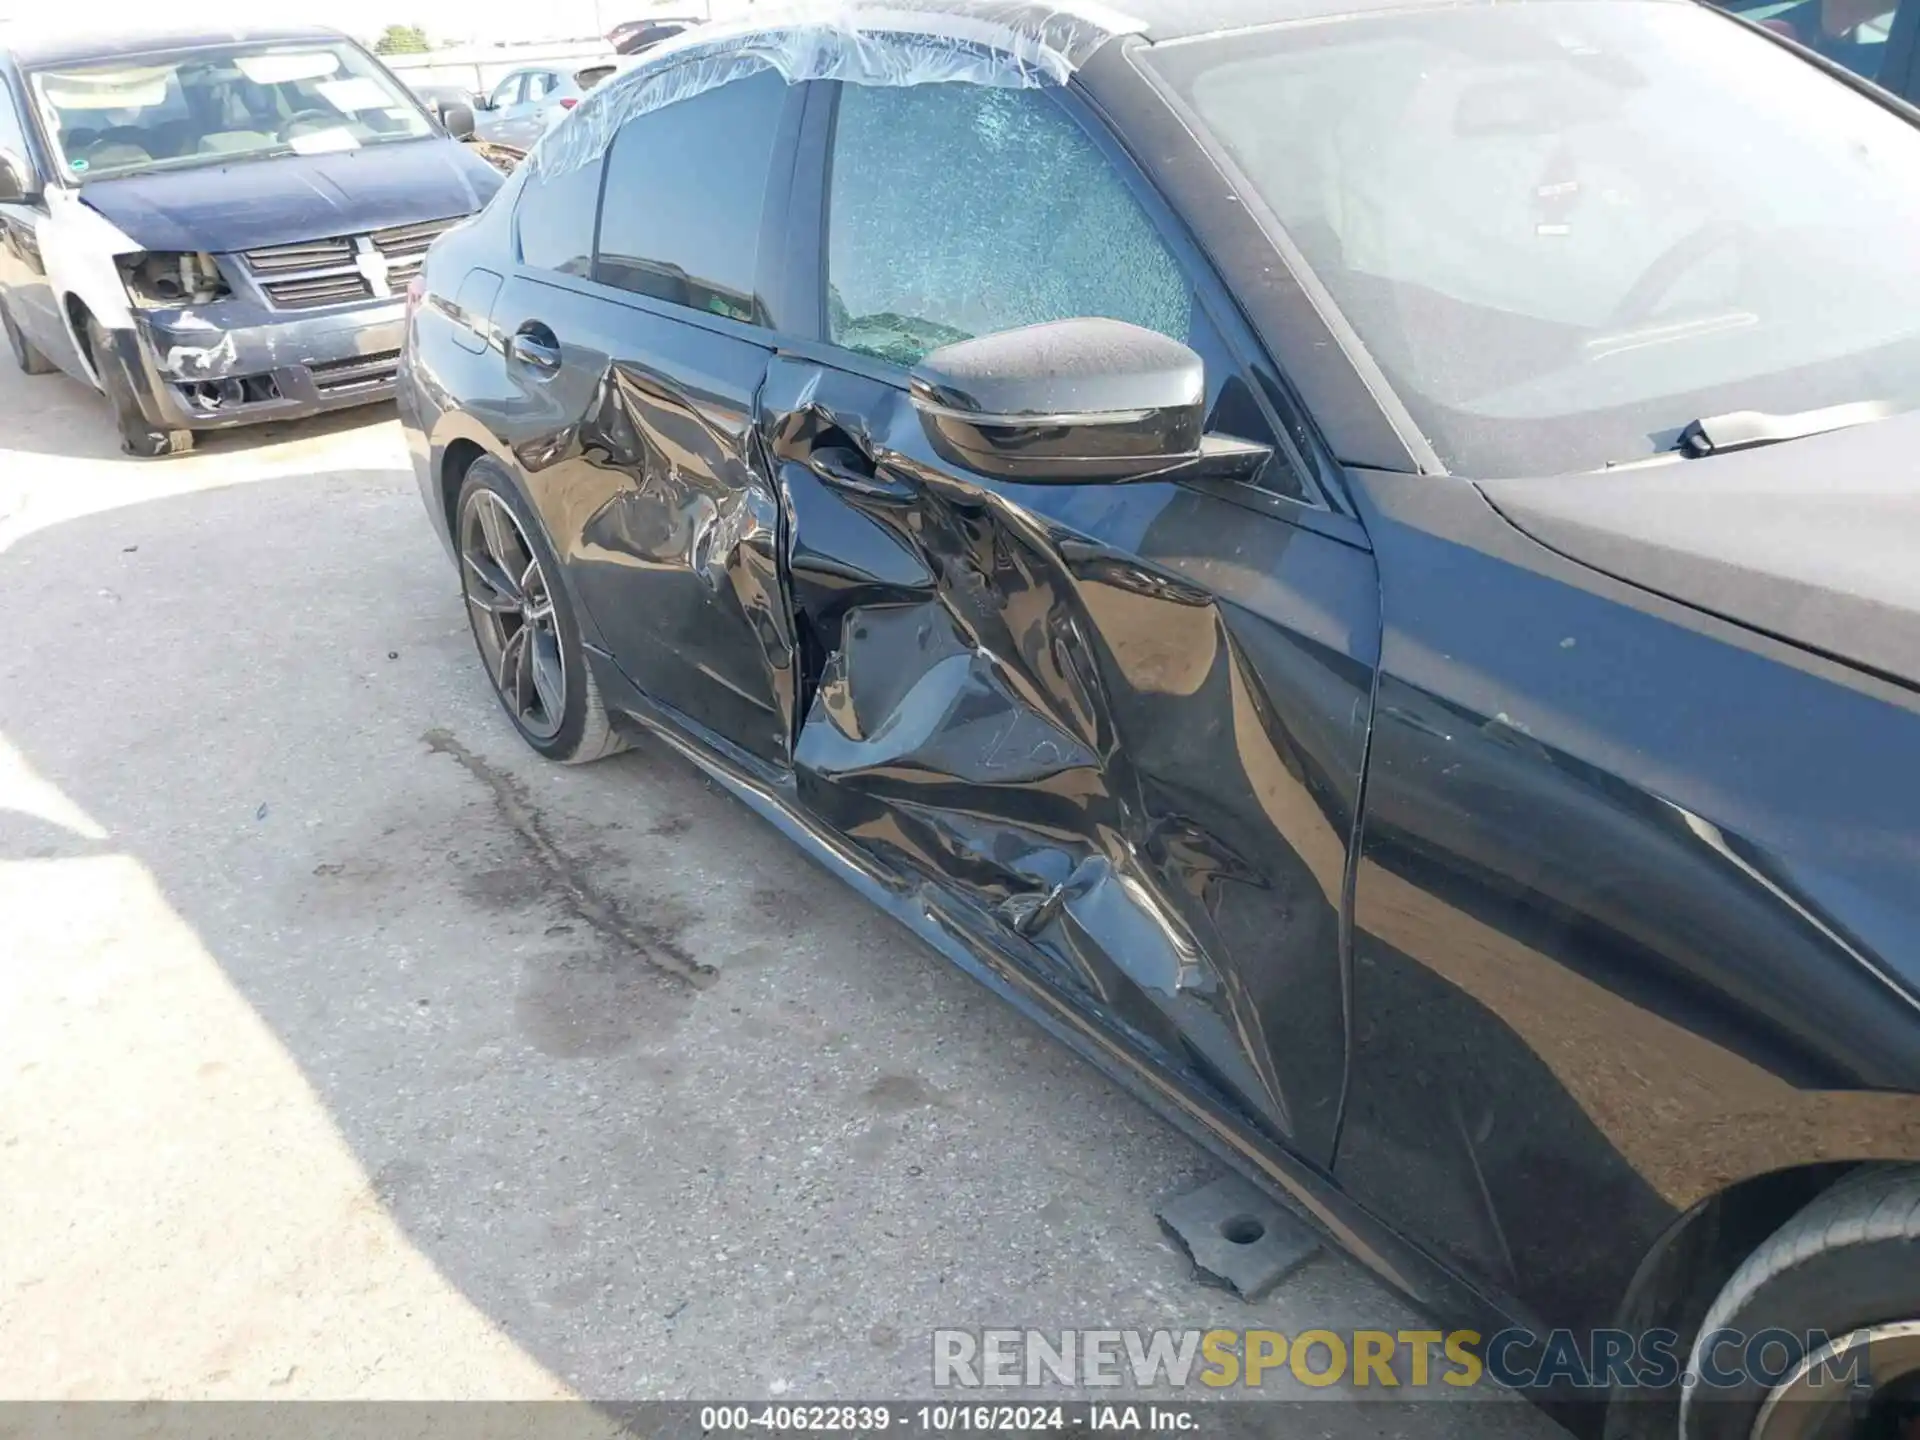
[(777, 1177)]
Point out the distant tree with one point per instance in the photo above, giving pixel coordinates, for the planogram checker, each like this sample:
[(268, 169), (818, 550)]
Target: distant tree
[(401, 40)]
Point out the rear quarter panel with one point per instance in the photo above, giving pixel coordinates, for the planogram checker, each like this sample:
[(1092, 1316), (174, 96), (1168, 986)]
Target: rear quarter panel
[(453, 352)]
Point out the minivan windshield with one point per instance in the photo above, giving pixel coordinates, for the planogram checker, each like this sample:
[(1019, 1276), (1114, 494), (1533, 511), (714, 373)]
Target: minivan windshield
[(213, 106), (1567, 231)]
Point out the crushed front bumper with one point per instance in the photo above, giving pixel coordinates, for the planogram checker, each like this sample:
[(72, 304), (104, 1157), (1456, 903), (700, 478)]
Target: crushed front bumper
[(209, 367)]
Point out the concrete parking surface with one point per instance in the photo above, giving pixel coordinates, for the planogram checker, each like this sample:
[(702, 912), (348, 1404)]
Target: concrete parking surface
[(341, 1055)]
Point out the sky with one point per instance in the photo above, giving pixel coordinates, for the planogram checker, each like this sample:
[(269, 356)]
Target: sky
[(484, 20)]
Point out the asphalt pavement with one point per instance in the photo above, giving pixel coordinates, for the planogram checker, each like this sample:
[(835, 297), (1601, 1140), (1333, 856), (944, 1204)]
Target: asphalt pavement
[(336, 1057)]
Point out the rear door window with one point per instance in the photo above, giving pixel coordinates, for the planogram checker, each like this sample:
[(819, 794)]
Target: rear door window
[(554, 217), (685, 186)]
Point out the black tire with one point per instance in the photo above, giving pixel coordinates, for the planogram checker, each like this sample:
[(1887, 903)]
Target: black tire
[(137, 437), (25, 354), (1849, 1262), (577, 730)]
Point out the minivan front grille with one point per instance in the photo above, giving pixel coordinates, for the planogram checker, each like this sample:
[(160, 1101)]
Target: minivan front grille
[(411, 239), (311, 292), (304, 255), (336, 271)]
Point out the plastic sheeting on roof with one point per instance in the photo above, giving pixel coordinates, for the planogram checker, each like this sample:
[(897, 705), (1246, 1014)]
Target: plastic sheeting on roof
[(1010, 44)]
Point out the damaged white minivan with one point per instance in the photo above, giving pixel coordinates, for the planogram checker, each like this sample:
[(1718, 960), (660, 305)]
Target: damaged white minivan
[(217, 228)]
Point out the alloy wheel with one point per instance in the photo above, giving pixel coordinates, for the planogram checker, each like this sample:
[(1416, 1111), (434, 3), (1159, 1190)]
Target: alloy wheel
[(512, 609), (1813, 1405)]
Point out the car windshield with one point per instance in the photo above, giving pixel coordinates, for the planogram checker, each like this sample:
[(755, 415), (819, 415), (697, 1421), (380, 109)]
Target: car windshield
[(209, 107), (1564, 232)]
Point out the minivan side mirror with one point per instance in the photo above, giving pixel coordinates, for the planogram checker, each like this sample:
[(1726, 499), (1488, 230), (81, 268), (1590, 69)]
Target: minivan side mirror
[(1074, 402), (458, 119), (17, 179)]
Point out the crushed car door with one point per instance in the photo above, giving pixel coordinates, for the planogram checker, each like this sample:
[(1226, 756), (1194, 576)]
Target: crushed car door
[(1122, 723), (631, 405)]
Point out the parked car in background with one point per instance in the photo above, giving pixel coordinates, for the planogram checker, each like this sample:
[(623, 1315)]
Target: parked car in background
[(437, 97), (525, 104), (1874, 39), (1354, 561), (637, 36), (216, 227), (454, 106)]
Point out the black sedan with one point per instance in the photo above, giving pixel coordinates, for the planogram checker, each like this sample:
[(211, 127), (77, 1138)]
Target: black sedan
[(1354, 561)]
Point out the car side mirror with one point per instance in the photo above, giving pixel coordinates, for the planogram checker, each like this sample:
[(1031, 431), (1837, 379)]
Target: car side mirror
[(17, 180), (1074, 402), (458, 119)]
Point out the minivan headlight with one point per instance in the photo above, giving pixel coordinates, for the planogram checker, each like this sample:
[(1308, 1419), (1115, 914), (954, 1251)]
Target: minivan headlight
[(171, 278)]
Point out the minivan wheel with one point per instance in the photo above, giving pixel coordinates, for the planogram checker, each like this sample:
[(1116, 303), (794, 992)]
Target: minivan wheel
[(1846, 1268), (523, 623), (25, 355), (137, 437)]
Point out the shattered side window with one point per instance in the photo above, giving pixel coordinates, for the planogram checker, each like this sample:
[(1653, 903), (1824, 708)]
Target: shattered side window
[(964, 210)]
